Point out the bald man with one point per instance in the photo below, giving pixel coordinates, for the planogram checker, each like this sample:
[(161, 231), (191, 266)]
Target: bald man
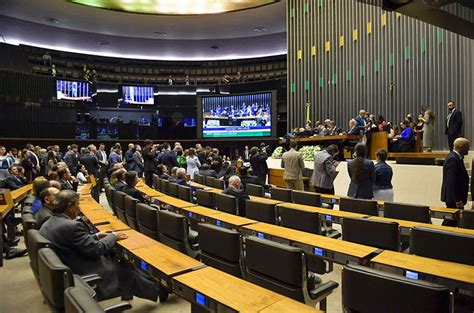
[(455, 178)]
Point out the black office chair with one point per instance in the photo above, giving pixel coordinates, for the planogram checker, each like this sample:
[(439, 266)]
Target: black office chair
[(442, 245), (27, 203), (36, 242), (255, 190), (223, 254), (282, 269), (379, 234), (368, 207), (467, 219), (226, 203), (281, 194), (198, 178), (185, 193), (147, 218), (110, 195), (209, 181), (218, 183), (130, 206), (174, 232), (408, 212), (78, 300), (119, 200), (263, 212), (307, 198), (205, 198), (173, 190), (368, 290), (157, 182), (165, 186), (28, 222)]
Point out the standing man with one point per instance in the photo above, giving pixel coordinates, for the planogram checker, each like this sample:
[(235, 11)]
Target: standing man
[(116, 155), (89, 160), (71, 159), (149, 162), (102, 159), (169, 156), (293, 163), (325, 170), (138, 165), (455, 185), (246, 154), (258, 161), (453, 124), (129, 157)]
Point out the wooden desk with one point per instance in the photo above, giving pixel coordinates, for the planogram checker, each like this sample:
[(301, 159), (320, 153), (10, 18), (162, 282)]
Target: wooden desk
[(87, 203), (135, 240), (220, 292), (152, 193), (326, 215), (230, 221), (97, 216), (331, 249), (198, 213), (19, 194), (114, 225), (426, 158), (289, 305), (327, 138), (173, 204), (452, 275), (162, 262), (265, 200), (4, 210)]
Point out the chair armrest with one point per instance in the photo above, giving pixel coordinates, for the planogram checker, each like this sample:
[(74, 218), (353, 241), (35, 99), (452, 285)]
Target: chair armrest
[(334, 234), (320, 292), (119, 307), (92, 279)]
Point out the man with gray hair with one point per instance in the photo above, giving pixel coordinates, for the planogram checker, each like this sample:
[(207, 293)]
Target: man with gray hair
[(91, 163), (181, 179), (235, 190)]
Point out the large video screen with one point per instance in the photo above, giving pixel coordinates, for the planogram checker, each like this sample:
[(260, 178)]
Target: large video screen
[(237, 116), (73, 90), (138, 95)]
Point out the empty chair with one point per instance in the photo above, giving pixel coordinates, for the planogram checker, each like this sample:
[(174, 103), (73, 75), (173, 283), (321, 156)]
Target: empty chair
[(35, 243), (130, 206), (147, 220), (263, 212), (119, 200), (28, 222), (198, 178), (173, 190), (205, 198), (78, 300), (226, 203), (218, 183), (223, 254), (467, 219), (165, 186), (379, 234), (307, 198), (156, 183), (27, 204), (174, 232), (281, 194), (408, 212), (282, 268), (255, 190), (442, 245), (390, 293), (185, 193), (306, 221), (209, 181), (368, 207), (110, 195)]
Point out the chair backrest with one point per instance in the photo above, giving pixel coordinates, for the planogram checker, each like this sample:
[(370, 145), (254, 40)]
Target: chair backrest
[(27, 203), (119, 200), (379, 234), (467, 219), (360, 206), (307, 198), (408, 212), (35, 243), (78, 300), (156, 183), (442, 245), (198, 178), (205, 198), (387, 291), (263, 212), (110, 195), (165, 186), (54, 277), (303, 220), (219, 184), (28, 222), (173, 230), (209, 181), (173, 190), (147, 217), (281, 194), (226, 203), (130, 206), (223, 254), (275, 266), (255, 190), (185, 193)]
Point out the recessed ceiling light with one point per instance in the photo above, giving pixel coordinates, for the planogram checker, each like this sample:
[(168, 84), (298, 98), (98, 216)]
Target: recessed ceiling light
[(260, 29), (51, 20), (104, 43), (161, 34)]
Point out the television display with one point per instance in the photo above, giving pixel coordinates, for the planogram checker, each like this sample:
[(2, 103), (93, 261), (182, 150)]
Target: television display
[(237, 116), (107, 132), (189, 122), (73, 90), (138, 95)]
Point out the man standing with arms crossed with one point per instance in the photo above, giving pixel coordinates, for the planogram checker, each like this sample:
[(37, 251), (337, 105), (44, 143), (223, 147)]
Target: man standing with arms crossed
[(453, 124)]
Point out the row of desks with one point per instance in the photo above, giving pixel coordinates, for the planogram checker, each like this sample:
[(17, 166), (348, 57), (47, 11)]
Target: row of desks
[(187, 277)]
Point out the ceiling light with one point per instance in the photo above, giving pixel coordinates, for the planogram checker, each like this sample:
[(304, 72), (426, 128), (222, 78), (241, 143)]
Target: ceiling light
[(260, 29), (51, 20)]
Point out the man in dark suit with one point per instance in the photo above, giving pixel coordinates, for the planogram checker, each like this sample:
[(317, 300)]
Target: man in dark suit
[(361, 120), (129, 161), (234, 190), (245, 178), (102, 159), (66, 180), (89, 160), (131, 180), (258, 161), (14, 180), (362, 174), (169, 157), (47, 197), (206, 171), (85, 253), (149, 162), (71, 159), (453, 124)]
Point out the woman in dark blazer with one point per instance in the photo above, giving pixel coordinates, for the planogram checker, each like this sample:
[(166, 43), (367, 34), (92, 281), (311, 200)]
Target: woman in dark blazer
[(362, 174)]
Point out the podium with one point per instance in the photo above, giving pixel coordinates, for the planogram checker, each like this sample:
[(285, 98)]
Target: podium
[(378, 140)]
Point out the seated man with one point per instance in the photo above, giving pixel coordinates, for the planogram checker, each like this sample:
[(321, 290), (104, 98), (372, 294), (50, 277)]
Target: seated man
[(235, 190), (206, 171), (85, 253), (66, 180), (131, 180), (181, 179), (14, 180), (39, 184), (47, 197), (118, 179), (162, 171), (224, 168), (172, 178), (245, 178)]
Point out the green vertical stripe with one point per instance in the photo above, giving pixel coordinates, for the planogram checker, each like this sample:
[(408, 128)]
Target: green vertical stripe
[(377, 65), (407, 52), (362, 70), (423, 44), (440, 35), (293, 87), (306, 85), (349, 75), (306, 7), (320, 3), (321, 82), (292, 12), (391, 59), (334, 79)]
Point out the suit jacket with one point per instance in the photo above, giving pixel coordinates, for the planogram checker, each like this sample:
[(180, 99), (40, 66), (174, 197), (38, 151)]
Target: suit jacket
[(211, 173), (169, 159), (43, 214), (67, 185), (102, 160), (363, 188), (249, 179), (455, 180), (324, 170), (138, 165), (360, 121), (91, 163), (13, 182), (119, 185), (293, 163), (149, 160), (259, 164), (133, 192), (71, 161), (454, 123), (241, 196), (114, 157), (81, 251), (129, 160)]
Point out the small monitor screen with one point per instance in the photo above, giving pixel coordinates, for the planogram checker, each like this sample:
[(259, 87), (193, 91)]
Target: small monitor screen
[(189, 122), (138, 95), (218, 223), (260, 235), (412, 275), (200, 299), (190, 214), (144, 266), (328, 218), (237, 116), (73, 90), (319, 251)]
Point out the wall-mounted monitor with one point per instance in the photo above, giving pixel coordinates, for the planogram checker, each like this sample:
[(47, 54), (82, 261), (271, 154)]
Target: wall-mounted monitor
[(141, 95), (73, 90), (243, 115)]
